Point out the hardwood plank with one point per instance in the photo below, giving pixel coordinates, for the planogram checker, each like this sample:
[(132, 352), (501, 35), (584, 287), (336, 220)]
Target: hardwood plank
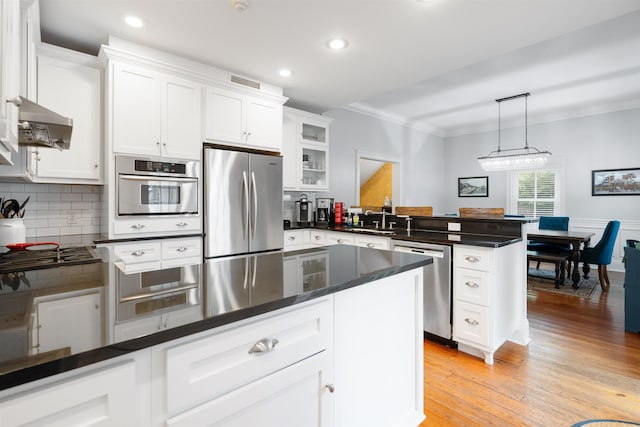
[(580, 364)]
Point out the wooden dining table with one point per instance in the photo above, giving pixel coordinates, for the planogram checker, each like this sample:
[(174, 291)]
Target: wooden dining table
[(577, 240)]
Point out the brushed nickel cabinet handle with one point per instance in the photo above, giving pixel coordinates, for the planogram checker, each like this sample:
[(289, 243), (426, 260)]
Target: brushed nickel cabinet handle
[(472, 258), (472, 322), (137, 253), (330, 387), (471, 284), (265, 345)]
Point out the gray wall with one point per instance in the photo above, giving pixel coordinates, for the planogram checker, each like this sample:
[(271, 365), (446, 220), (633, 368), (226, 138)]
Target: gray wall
[(420, 155), (604, 141)]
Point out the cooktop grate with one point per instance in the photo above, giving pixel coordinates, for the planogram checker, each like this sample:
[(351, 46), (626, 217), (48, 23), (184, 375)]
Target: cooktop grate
[(26, 260)]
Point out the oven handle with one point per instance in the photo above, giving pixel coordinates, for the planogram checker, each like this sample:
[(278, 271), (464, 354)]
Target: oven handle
[(255, 206), (156, 293), (156, 178), (245, 220)]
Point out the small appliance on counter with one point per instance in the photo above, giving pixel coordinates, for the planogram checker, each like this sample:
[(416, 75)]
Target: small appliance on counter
[(304, 210), (324, 211)]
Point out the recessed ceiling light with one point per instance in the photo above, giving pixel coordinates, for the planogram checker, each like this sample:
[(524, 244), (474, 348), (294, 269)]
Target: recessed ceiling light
[(337, 44), (134, 21), (285, 72)]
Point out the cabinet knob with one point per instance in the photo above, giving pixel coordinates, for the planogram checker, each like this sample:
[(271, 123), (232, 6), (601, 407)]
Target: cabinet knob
[(15, 101), (340, 241), (330, 387), (95, 166), (265, 345), (317, 237), (371, 245)]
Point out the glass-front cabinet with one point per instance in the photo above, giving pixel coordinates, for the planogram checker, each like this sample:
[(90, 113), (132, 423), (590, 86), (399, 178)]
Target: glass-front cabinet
[(305, 151)]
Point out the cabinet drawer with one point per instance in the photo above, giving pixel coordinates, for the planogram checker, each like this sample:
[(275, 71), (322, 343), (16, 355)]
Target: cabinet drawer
[(372, 242), (318, 238), (139, 252), (471, 323), (337, 238), (181, 249), (294, 239), (157, 226), (471, 286), (205, 368), (474, 258)]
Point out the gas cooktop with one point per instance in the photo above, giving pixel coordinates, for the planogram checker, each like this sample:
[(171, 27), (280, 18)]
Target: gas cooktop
[(26, 260)]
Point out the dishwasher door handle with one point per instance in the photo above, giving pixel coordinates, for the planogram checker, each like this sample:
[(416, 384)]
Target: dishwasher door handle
[(426, 252)]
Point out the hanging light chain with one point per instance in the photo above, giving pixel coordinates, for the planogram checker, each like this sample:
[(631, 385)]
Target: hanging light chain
[(526, 127)]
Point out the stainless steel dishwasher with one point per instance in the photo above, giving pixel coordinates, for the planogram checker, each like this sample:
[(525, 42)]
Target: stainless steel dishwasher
[(437, 288)]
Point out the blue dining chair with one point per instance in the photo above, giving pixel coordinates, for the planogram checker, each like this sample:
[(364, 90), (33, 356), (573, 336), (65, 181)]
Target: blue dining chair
[(560, 223), (601, 253)]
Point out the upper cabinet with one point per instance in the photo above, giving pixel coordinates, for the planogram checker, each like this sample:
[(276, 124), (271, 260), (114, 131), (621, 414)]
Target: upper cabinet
[(244, 120), (305, 151), (69, 83), (154, 113), (9, 78)]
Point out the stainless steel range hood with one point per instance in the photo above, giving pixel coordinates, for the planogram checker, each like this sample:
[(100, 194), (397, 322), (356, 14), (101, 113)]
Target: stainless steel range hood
[(41, 127)]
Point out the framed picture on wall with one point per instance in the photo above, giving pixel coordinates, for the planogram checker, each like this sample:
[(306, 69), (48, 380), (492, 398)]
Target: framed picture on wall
[(615, 182), (475, 186)]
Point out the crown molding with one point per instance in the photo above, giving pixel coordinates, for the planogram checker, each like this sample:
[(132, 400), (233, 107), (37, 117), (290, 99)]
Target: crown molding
[(367, 110)]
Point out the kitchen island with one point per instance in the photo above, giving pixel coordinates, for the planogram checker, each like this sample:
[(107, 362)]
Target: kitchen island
[(301, 342)]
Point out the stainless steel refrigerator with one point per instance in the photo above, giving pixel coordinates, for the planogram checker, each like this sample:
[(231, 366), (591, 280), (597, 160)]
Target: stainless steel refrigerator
[(242, 202)]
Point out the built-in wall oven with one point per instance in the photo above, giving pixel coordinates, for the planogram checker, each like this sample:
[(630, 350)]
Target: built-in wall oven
[(151, 292), (156, 186), (438, 288)]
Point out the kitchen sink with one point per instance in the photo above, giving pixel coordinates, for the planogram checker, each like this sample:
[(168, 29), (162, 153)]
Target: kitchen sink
[(372, 230)]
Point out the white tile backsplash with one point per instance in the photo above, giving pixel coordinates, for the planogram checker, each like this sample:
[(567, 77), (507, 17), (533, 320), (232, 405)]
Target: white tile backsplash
[(49, 206)]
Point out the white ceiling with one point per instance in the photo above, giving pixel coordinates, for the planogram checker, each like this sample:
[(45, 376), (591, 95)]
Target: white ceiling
[(436, 65)]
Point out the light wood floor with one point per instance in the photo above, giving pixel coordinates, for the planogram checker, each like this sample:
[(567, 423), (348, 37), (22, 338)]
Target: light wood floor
[(580, 365)]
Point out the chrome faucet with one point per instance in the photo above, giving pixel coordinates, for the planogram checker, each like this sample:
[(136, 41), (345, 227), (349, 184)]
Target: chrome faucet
[(384, 217)]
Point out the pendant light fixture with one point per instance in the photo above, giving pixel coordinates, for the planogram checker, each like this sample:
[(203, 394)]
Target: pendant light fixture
[(514, 158)]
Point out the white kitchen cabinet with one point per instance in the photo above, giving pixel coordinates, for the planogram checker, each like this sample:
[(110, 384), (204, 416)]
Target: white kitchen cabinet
[(373, 242), (132, 227), (382, 320), (487, 307), (339, 238), (9, 78), (155, 254), (220, 372), (109, 394), (298, 395), (232, 117), (305, 151), (55, 316), (317, 238), (70, 83), (306, 272), (295, 239), (154, 113), (147, 325)]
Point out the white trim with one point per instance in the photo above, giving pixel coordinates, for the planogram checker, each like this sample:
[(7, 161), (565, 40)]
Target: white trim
[(559, 166), (367, 110)]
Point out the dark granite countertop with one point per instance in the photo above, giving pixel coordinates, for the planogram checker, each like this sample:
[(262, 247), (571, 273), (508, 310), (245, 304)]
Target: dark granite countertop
[(430, 236), (214, 302)]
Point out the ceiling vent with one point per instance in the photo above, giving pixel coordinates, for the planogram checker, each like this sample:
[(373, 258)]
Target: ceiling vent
[(245, 82)]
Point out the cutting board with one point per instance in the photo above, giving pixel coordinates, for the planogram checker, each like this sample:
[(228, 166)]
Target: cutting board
[(414, 210)]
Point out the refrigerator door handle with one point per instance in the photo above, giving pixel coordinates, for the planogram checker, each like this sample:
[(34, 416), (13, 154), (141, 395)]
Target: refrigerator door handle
[(245, 190), (255, 206), (245, 268)]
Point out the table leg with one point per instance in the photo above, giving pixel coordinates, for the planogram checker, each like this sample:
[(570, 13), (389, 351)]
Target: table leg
[(575, 276)]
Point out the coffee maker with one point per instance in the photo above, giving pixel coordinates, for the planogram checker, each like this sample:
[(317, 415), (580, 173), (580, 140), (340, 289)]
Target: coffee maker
[(324, 211), (304, 210)]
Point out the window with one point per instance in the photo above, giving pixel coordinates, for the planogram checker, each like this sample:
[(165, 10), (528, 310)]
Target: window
[(535, 193)]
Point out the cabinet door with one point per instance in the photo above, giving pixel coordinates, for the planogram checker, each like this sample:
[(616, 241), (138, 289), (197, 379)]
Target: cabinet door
[(181, 119), (73, 90), (104, 398), (224, 116), (74, 322), (296, 396), (264, 124), (136, 110), (9, 77)]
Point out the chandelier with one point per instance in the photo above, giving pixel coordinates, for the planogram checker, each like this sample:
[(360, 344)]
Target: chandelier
[(514, 158)]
